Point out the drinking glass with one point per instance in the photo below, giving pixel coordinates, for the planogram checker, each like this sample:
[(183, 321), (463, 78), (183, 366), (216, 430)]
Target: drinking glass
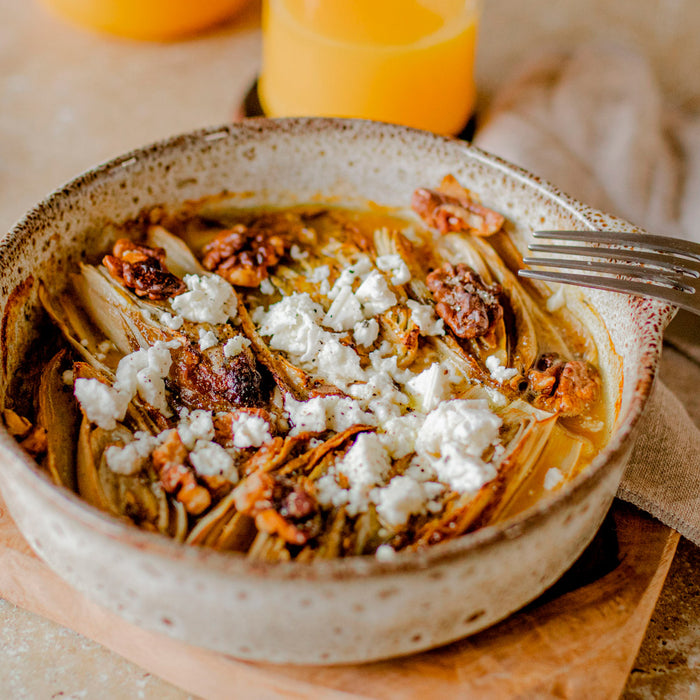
[(404, 61)]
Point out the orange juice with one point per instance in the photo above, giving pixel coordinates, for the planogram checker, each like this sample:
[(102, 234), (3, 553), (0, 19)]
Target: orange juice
[(404, 61)]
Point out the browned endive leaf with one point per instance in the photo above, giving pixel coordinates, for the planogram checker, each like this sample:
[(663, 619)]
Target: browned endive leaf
[(58, 412)]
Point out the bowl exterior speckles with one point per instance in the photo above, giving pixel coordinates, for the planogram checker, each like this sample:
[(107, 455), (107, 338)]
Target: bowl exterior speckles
[(352, 610)]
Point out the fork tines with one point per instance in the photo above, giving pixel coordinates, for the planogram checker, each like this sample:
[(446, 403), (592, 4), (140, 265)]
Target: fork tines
[(645, 265)]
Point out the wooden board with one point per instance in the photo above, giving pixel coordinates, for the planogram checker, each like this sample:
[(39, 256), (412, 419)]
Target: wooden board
[(578, 641)]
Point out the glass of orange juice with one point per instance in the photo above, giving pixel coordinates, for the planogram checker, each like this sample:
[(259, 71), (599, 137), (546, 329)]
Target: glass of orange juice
[(404, 61)]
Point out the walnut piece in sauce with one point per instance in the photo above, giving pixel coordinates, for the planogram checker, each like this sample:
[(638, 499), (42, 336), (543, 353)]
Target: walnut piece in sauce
[(451, 208), (243, 254), (142, 268), (467, 305), (178, 478), (566, 387)]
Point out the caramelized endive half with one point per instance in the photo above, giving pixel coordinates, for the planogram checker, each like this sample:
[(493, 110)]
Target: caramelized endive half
[(58, 413), (140, 499)]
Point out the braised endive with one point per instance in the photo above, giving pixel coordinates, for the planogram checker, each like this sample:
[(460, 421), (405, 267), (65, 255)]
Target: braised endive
[(315, 382)]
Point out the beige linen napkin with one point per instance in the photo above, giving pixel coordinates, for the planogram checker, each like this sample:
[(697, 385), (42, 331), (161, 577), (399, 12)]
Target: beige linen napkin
[(594, 122)]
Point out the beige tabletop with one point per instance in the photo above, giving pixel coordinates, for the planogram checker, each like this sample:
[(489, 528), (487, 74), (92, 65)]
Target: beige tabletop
[(70, 99)]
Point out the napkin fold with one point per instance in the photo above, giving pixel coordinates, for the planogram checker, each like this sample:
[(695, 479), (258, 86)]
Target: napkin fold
[(595, 122)]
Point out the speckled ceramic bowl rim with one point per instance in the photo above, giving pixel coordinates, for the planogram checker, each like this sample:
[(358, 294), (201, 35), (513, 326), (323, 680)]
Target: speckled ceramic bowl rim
[(231, 562)]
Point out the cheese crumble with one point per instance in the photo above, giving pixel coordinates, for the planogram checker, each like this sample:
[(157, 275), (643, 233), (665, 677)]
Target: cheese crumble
[(207, 339), (234, 346), (400, 274), (208, 299), (129, 459), (498, 372), (142, 372)]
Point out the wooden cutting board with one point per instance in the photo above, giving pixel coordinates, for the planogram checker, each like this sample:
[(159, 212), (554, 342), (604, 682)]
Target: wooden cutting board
[(579, 640)]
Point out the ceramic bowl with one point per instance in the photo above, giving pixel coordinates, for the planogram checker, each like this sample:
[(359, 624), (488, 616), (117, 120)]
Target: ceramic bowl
[(353, 610)]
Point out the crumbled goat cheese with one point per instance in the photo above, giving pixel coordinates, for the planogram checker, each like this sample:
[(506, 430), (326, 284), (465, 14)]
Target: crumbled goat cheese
[(499, 373), (209, 299), (496, 398), (463, 473), (143, 372), (103, 405), (325, 413), (68, 377), (374, 294), (170, 321), (210, 459), (329, 493), (129, 459), (423, 315), (384, 362), (207, 339), (420, 471), (306, 416), (292, 325), (379, 395), (400, 274), (234, 346), (552, 478), (194, 426), (338, 364), (364, 466), (344, 312), (557, 300), (250, 431), (399, 434), (453, 439), (403, 497), (296, 253), (266, 287), (389, 405), (385, 552), (318, 274), (430, 387), (366, 332), (358, 270), (365, 463), (140, 372)]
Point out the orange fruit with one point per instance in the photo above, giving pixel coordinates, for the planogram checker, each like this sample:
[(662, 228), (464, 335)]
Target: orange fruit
[(158, 20)]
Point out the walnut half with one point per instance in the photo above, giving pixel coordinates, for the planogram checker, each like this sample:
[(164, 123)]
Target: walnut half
[(243, 255), (142, 268)]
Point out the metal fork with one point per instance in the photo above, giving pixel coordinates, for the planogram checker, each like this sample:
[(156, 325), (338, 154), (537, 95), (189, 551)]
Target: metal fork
[(644, 265)]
